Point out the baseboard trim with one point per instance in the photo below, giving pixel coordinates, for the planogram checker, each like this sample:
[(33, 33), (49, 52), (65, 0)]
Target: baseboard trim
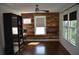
[(41, 40)]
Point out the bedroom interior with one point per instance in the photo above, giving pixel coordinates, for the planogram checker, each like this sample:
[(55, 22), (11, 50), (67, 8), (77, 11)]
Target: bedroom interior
[(39, 28)]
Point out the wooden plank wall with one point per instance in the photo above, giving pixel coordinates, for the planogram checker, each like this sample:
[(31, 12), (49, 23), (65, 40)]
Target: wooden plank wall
[(52, 25)]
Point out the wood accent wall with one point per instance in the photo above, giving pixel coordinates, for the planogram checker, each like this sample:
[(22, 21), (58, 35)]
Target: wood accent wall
[(52, 25)]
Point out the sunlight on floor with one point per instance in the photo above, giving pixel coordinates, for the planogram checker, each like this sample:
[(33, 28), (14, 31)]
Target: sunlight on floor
[(40, 49), (33, 43)]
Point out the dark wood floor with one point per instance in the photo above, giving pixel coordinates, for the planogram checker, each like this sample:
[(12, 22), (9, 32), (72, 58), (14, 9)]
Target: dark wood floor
[(45, 48)]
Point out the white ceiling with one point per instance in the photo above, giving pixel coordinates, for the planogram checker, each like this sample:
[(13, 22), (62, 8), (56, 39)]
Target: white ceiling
[(30, 7)]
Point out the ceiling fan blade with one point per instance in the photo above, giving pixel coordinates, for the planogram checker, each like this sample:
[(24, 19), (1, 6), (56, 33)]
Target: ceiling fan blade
[(37, 9), (45, 10)]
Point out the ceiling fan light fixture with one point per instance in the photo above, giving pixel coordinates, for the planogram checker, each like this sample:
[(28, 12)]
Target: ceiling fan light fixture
[(38, 10)]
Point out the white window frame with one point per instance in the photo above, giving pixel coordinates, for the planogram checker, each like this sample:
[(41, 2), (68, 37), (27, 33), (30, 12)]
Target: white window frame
[(68, 34), (35, 18)]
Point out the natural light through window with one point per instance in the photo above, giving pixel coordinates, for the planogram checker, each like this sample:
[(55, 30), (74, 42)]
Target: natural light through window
[(70, 27), (73, 31), (65, 23), (40, 31), (15, 30), (40, 25), (26, 20)]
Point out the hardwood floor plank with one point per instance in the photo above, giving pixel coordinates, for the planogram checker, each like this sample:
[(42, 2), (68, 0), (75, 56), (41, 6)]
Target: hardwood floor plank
[(45, 48)]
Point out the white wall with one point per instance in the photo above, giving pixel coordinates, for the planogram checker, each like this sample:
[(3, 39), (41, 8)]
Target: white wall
[(3, 10), (74, 50)]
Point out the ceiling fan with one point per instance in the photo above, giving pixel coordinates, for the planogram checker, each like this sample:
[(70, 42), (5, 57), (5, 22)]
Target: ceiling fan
[(38, 10)]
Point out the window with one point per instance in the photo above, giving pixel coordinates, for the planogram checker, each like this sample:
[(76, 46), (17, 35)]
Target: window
[(70, 27), (73, 27), (40, 25), (14, 30), (40, 31), (73, 31), (65, 25), (26, 20)]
